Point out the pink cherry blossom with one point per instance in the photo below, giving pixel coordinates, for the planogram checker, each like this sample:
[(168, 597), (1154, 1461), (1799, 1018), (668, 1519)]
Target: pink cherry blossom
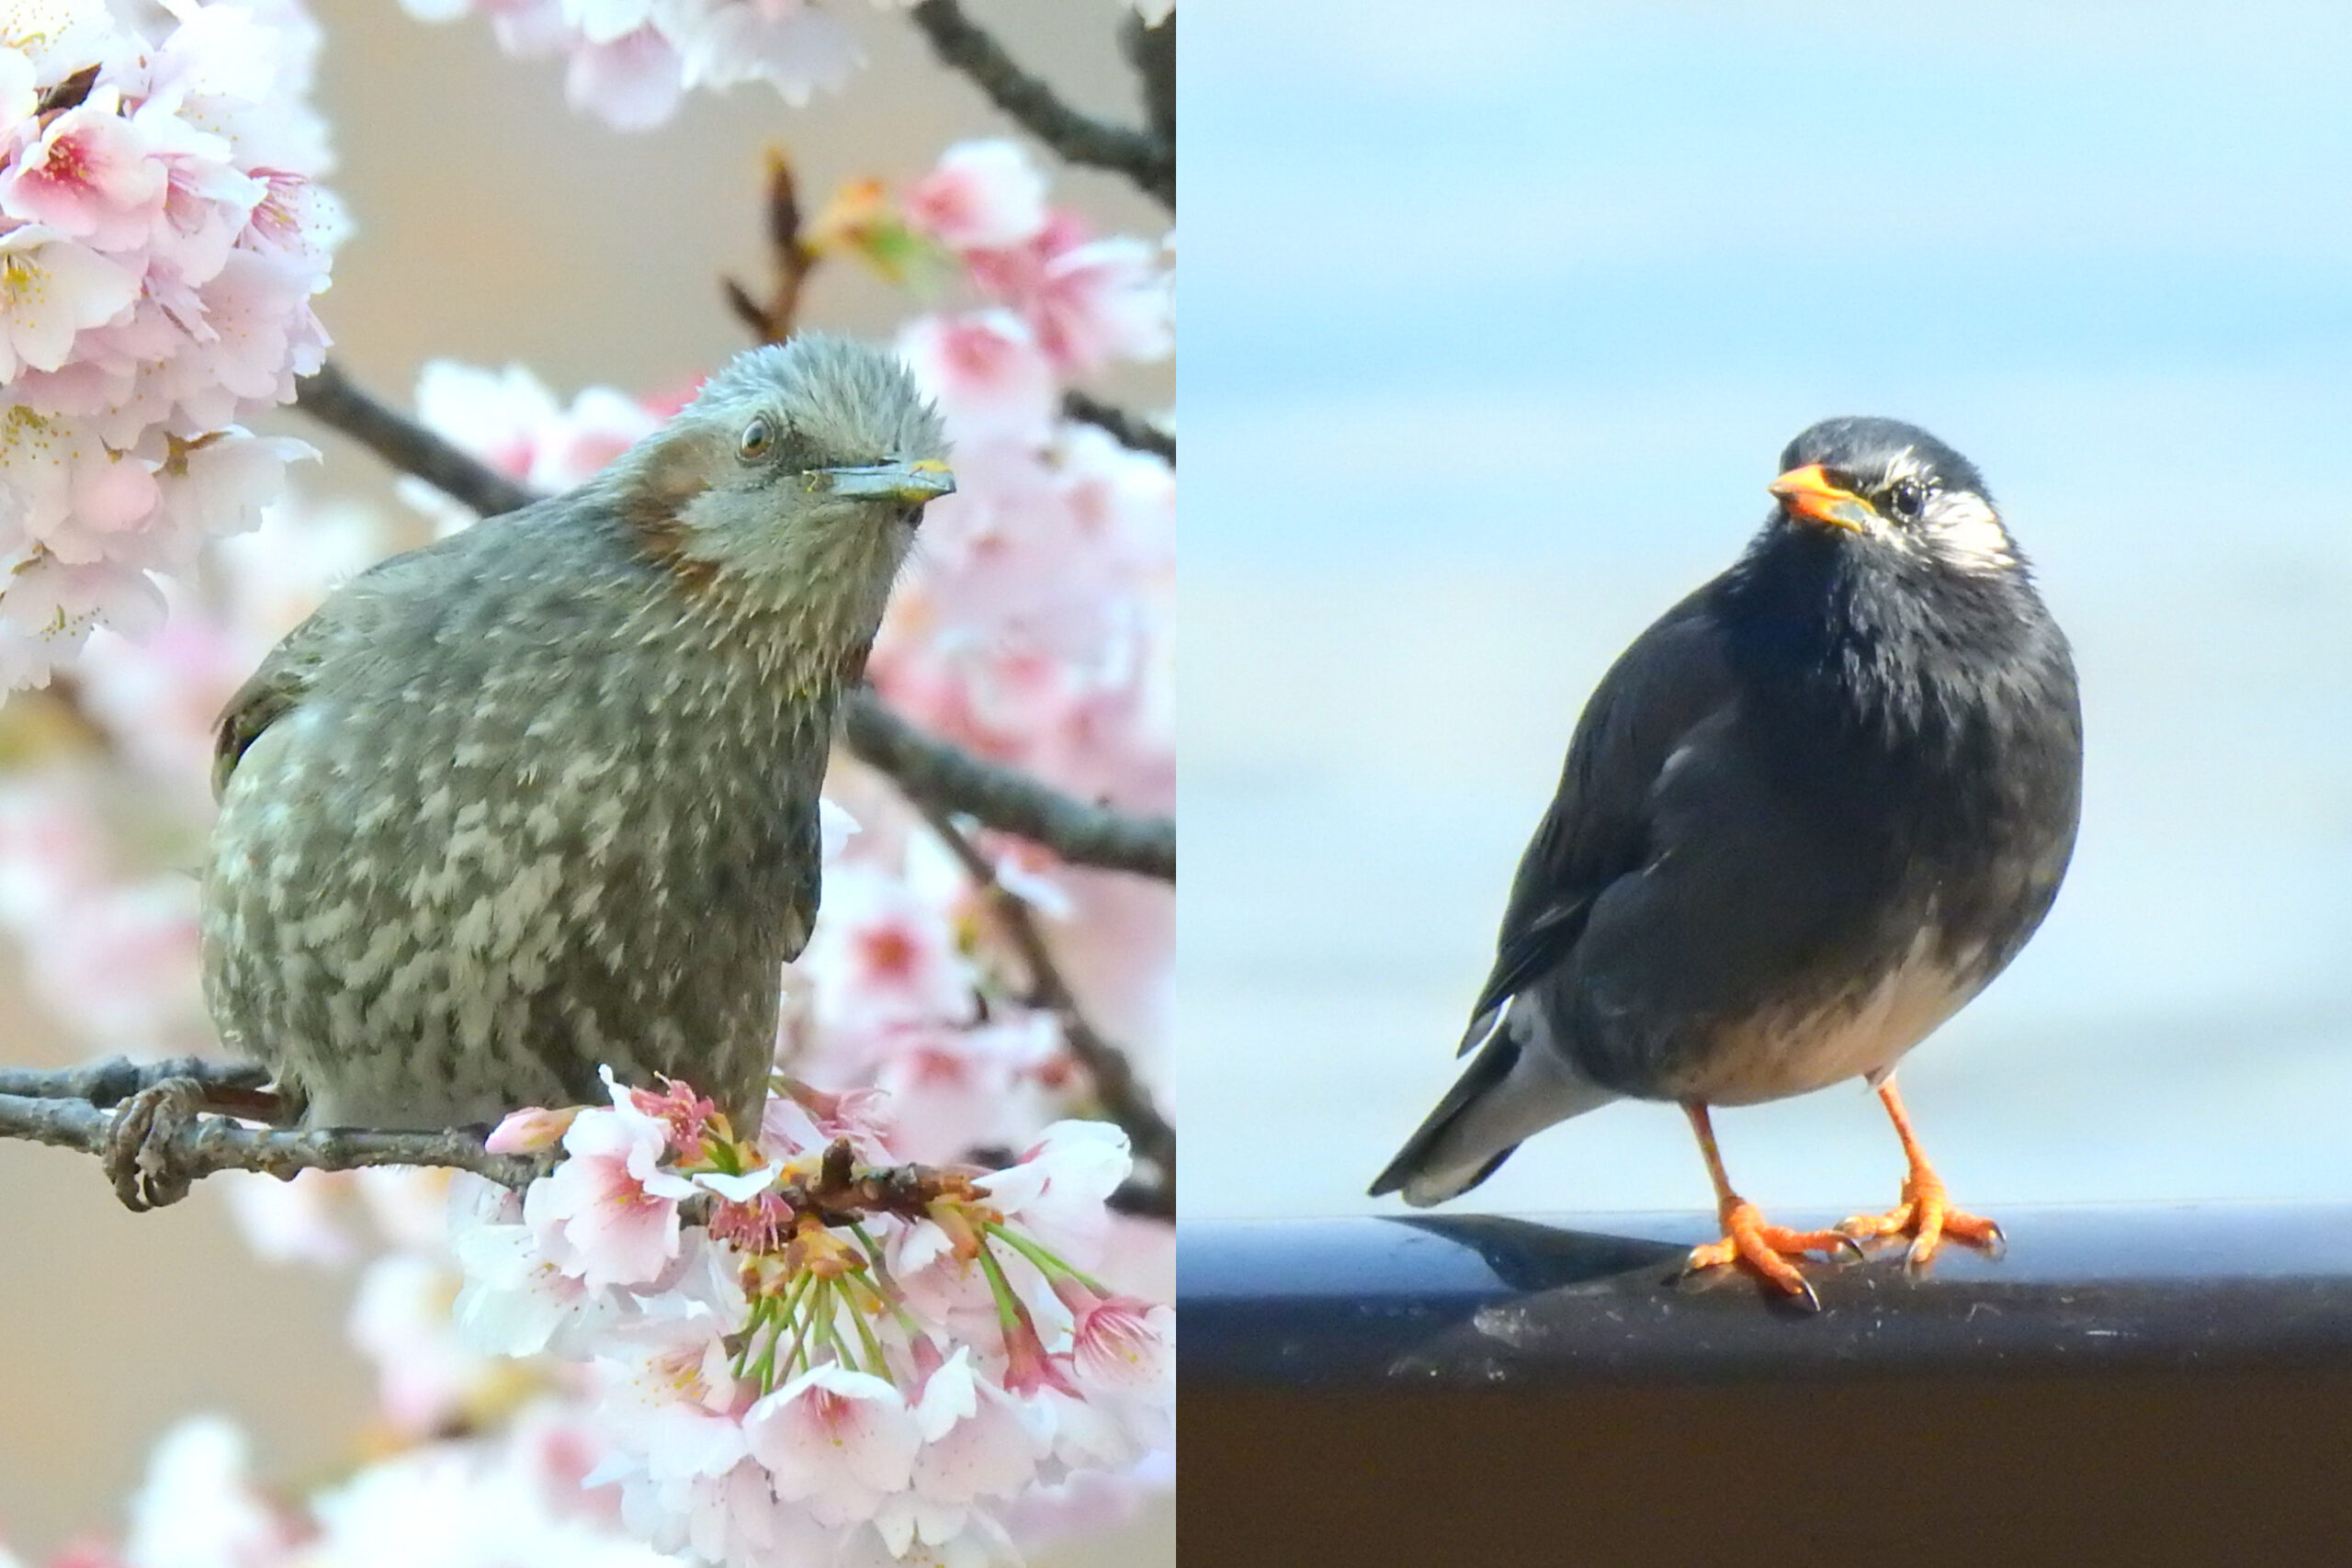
[(980, 196), (199, 1507), (1119, 1343), (608, 1216), (1058, 1186), (90, 174), (884, 955), (837, 1440), (986, 371), (52, 288), (976, 1443), (530, 1130)]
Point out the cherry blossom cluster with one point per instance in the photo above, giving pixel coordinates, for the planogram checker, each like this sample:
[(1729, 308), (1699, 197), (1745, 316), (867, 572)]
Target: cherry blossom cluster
[(162, 234), (788, 1349), (849, 1356), (631, 63), (1031, 627)]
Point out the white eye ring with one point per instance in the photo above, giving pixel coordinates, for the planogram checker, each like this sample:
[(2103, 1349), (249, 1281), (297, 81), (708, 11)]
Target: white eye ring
[(758, 436)]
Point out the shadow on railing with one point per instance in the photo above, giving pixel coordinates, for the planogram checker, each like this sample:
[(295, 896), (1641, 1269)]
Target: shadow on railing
[(1433, 1299)]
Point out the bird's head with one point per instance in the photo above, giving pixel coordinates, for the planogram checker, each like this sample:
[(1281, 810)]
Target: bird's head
[(1894, 492), (795, 479)]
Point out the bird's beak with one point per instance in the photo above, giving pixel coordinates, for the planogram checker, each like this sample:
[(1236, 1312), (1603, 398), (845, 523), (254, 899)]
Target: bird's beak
[(1807, 493), (916, 482)]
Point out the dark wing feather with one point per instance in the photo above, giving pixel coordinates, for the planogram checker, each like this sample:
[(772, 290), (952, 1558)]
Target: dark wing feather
[(1598, 829), (351, 616)]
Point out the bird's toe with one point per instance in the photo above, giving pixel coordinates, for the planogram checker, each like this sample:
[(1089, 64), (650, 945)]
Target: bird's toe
[(138, 1157)]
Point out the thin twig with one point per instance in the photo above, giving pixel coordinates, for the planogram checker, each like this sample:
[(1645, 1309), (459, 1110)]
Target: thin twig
[(1151, 49), (1118, 1085), (930, 770), (940, 777), (335, 400), (207, 1144), (773, 321), (964, 46), (1128, 429)]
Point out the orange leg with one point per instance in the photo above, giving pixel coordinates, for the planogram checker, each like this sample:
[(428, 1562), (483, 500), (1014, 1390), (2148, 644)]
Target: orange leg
[(1925, 1214), (1764, 1248)]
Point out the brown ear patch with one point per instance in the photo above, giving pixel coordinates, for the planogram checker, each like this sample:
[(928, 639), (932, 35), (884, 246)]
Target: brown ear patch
[(676, 467)]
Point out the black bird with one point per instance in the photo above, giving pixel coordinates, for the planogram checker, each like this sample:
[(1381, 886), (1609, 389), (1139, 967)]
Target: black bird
[(1805, 819)]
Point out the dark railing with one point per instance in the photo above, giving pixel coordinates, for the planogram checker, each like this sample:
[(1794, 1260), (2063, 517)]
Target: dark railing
[(2141, 1384)]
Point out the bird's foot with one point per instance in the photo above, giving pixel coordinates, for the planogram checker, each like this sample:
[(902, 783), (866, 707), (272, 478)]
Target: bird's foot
[(1764, 1250), (1926, 1217), (137, 1156)]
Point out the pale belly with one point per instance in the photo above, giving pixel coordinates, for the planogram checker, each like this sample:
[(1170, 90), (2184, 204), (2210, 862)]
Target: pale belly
[(1798, 1049)]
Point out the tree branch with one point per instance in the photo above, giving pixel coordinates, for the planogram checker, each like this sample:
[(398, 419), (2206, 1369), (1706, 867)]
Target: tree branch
[(1128, 430), (930, 770), (1118, 1085), (334, 400), (940, 777), (1151, 49), (206, 1144), (77, 1108), (964, 46)]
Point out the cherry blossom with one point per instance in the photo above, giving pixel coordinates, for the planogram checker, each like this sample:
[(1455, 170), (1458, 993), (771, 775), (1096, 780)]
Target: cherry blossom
[(892, 1358), (980, 196), (629, 62), (165, 233)]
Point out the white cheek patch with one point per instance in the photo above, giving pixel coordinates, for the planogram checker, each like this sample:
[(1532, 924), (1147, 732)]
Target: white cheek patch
[(1963, 531)]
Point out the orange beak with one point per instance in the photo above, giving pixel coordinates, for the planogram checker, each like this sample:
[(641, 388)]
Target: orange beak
[(1807, 493)]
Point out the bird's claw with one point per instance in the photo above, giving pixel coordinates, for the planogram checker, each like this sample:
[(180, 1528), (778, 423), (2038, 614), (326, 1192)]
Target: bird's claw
[(1926, 1219), (138, 1155), (1764, 1250)]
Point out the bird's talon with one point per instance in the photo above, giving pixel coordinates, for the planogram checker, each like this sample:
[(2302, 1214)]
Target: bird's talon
[(137, 1158)]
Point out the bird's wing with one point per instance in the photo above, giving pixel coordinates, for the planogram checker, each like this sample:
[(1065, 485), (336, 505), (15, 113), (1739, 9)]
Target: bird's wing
[(354, 614), (1599, 827)]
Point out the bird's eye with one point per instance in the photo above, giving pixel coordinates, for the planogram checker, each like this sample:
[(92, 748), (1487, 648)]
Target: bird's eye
[(758, 437), (1906, 498)]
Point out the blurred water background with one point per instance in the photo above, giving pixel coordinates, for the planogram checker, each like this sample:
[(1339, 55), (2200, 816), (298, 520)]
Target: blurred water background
[(1498, 315)]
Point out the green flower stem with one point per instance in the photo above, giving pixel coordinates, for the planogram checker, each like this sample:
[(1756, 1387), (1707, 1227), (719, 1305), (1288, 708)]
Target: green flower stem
[(763, 1370), (874, 1355), (885, 1286), (1046, 1262), (818, 1290), (1008, 1310)]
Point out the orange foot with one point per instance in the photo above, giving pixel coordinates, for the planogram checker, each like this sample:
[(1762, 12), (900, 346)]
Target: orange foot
[(1766, 1250), (1927, 1216)]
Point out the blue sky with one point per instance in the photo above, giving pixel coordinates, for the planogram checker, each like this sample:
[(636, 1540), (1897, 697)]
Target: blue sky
[(1445, 257)]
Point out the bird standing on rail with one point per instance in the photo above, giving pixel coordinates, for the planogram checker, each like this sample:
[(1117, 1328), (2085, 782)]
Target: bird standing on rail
[(1805, 819), (543, 796)]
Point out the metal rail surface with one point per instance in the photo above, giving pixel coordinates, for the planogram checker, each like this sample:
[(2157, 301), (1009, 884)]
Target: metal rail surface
[(1439, 1299)]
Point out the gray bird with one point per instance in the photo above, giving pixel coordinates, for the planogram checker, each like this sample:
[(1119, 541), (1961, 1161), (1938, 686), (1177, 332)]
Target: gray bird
[(1805, 819), (543, 795)]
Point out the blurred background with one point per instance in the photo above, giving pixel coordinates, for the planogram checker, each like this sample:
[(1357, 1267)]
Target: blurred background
[(1500, 312), (493, 224)]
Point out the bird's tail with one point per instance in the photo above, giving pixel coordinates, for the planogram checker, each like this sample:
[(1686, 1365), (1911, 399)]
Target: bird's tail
[(1514, 1089)]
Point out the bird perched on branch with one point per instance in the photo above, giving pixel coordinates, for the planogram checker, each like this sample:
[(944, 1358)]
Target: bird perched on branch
[(1805, 819), (543, 795)]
